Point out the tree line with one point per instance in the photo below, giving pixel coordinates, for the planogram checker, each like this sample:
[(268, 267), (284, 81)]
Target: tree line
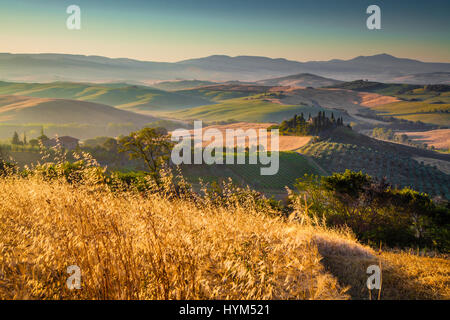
[(299, 125)]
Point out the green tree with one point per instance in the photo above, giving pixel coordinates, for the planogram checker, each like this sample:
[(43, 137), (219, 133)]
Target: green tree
[(34, 142), (42, 137), (152, 145), (111, 145), (377, 211), (15, 139)]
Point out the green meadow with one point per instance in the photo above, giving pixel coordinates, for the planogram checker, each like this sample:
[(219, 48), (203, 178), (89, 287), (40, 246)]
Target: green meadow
[(249, 109), (292, 166), (137, 98)]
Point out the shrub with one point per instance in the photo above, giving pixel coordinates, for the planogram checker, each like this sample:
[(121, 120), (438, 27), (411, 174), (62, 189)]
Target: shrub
[(376, 211)]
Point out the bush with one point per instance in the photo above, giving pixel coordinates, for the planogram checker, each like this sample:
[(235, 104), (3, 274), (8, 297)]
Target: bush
[(375, 211)]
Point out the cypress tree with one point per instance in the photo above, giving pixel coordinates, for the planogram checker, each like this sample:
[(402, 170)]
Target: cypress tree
[(15, 138)]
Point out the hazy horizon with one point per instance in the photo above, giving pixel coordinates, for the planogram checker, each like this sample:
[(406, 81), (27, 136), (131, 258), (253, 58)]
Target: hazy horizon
[(171, 31), (217, 54)]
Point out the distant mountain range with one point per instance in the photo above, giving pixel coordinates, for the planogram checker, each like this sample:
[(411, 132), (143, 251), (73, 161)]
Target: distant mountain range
[(63, 67)]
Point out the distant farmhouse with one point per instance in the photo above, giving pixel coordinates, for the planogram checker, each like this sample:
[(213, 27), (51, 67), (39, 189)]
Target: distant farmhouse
[(66, 142)]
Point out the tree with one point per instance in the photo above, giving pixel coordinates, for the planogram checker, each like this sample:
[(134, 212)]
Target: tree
[(24, 138), (152, 145), (111, 145), (15, 139), (42, 137), (34, 142)]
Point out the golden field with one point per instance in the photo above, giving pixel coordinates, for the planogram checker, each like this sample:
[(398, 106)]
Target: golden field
[(130, 245)]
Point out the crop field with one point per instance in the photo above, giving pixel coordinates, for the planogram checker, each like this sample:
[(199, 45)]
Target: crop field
[(292, 166), (440, 119), (440, 139), (419, 105), (399, 170), (407, 107)]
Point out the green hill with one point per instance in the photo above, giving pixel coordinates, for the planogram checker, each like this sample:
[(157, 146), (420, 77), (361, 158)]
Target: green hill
[(137, 98), (300, 80), (257, 108), (344, 149), (292, 166), (181, 84), (221, 92), (390, 89), (20, 110), (429, 104), (80, 119)]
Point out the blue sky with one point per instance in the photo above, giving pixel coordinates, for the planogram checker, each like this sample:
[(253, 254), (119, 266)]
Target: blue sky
[(173, 30)]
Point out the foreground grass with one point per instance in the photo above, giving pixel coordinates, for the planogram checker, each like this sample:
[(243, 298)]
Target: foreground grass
[(131, 247), (134, 246), (404, 275)]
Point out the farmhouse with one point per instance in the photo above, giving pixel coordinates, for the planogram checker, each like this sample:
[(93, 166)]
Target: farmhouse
[(68, 143)]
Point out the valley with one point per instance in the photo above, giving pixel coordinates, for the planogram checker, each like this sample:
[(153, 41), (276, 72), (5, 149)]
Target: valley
[(87, 110)]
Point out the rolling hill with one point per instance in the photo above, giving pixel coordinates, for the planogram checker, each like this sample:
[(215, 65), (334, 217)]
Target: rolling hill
[(344, 149), (425, 78), (300, 80), (429, 104), (221, 92), (253, 103), (376, 87), (292, 166), (248, 109), (181, 84), (23, 110), (131, 97)]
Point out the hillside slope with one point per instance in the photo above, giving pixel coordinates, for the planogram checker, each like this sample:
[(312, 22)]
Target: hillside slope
[(137, 98), (209, 252), (344, 149), (181, 84), (23, 110), (249, 109), (300, 80)]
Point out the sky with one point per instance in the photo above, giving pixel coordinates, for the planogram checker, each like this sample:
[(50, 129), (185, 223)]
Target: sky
[(174, 30)]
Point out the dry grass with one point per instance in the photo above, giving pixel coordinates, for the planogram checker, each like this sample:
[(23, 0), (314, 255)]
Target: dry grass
[(133, 247), (371, 100), (418, 277), (404, 275)]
